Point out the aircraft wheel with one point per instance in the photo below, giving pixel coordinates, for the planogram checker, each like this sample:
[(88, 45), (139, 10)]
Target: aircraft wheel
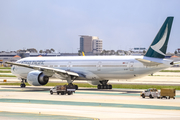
[(99, 87), (23, 85), (76, 87), (150, 96), (110, 86), (163, 97), (143, 96), (70, 92)]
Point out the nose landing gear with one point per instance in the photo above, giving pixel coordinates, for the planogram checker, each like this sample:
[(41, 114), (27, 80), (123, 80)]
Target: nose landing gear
[(23, 85)]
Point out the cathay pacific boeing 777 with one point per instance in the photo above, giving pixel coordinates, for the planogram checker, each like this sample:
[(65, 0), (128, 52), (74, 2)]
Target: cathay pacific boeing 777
[(97, 70)]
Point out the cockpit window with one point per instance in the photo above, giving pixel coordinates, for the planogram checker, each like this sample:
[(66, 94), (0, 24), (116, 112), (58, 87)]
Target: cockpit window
[(13, 68)]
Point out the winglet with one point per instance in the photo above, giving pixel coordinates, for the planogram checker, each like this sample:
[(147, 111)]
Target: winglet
[(158, 47)]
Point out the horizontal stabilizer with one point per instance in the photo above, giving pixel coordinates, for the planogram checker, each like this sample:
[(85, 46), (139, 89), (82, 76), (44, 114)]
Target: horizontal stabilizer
[(176, 63), (148, 62)]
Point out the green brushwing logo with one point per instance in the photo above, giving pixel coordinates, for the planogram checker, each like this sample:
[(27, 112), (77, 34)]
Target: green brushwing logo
[(161, 42), (159, 45)]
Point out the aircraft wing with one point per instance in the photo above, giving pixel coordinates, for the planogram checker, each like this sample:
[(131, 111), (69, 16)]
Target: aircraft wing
[(148, 62), (46, 70)]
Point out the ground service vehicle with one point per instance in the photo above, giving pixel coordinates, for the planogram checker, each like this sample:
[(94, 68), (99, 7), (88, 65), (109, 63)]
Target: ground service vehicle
[(168, 92), (164, 93), (151, 93), (63, 89)]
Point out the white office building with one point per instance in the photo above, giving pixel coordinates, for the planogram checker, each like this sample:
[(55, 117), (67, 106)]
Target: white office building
[(90, 44)]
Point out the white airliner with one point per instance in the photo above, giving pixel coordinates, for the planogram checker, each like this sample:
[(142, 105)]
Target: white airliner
[(97, 70)]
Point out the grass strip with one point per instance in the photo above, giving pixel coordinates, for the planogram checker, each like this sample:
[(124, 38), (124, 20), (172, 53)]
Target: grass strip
[(17, 83), (7, 76), (5, 71), (129, 86), (132, 86), (170, 71), (166, 75), (5, 67)]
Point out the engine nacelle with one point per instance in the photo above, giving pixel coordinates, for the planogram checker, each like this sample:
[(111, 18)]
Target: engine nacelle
[(37, 78)]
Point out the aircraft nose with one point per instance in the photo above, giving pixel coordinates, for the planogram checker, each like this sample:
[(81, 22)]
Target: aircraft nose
[(12, 69)]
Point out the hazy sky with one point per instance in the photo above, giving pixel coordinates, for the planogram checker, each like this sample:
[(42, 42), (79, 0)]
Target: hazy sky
[(121, 24)]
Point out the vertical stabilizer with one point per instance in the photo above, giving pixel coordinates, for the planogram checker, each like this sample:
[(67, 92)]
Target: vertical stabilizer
[(158, 47)]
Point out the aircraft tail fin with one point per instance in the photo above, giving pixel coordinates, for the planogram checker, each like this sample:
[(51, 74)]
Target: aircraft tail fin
[(158, 47), (83, 54)]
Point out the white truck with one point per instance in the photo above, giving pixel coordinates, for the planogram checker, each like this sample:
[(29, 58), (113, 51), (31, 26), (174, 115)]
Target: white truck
[(63, 89), (151, 93)]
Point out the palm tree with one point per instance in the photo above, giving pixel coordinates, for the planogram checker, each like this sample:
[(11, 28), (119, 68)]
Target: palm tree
[(175, 52), (41, 51), (52, 50), (79, 52)]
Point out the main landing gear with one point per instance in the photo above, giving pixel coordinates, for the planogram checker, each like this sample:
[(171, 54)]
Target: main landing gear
[(70, 80), (104, 85), (23, 85)]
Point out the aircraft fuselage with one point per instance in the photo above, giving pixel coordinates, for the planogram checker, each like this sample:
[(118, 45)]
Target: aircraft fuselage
[(95, 67)]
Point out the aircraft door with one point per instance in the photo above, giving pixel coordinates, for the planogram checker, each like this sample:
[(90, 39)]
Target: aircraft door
[(99, 66), (131, 65), (69, 66)]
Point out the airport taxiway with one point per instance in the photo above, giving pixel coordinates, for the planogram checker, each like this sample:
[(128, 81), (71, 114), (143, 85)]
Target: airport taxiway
[(89, 103), (85, 104)]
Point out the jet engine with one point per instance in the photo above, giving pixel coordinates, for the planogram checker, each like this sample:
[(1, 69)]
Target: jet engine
[(37, 78)]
